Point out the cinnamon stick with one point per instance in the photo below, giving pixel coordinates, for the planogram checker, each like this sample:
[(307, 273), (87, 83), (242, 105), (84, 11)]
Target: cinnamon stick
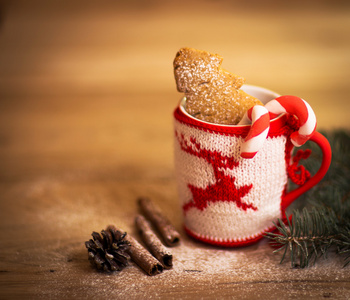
[(152, 242), (141, 256), (169, 234)]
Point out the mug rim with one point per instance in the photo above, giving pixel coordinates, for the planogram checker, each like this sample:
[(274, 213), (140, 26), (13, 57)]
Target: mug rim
[(244, 87)]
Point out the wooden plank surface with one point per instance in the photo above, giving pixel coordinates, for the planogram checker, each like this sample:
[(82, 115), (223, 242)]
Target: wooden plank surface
[(86, 100)]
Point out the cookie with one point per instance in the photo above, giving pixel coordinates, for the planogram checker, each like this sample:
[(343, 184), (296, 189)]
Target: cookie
[(212, 93)]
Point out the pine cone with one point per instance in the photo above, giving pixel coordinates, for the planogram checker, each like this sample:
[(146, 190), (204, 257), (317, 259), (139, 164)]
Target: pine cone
[(108, 251)]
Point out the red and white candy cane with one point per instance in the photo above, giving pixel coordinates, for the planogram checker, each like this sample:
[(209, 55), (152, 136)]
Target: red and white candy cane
[(301, 109), (258, 132)]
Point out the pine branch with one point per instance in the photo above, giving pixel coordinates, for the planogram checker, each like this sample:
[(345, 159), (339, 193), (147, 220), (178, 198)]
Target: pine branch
[(321, 222), (309, 236)]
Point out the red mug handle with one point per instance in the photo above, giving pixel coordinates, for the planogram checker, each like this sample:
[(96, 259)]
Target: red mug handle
[(323, 143)]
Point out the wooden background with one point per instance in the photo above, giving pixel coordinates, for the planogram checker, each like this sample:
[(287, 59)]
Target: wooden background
[(86, 100)]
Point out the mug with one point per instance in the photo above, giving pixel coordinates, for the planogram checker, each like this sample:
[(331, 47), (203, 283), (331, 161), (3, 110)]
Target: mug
[(232, 201)]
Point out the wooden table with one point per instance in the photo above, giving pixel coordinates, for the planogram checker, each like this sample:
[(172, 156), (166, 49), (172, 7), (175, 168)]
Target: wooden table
[(86, 100)]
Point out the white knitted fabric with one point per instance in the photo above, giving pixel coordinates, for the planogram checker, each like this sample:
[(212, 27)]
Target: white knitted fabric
[(264, 177)]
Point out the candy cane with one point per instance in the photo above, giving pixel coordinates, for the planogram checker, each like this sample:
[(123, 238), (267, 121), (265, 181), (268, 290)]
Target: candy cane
[(257, 134), (301, 109)]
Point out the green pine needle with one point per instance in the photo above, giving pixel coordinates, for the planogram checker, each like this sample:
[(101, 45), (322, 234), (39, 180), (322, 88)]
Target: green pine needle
[(320, 221)]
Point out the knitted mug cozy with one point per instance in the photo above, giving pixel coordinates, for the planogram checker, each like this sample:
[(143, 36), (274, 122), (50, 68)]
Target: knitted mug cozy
[(229, 200)]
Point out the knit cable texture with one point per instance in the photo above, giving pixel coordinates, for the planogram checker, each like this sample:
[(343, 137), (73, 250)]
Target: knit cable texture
[(228, 200)]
